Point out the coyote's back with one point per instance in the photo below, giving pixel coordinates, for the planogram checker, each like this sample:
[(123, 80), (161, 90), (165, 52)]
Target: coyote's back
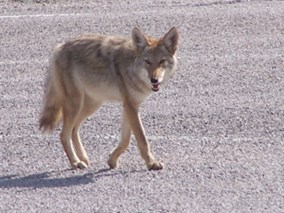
[(87, 71)]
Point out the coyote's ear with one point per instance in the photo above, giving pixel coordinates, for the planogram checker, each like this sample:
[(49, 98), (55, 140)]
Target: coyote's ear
[(139, 39), (170, 40)]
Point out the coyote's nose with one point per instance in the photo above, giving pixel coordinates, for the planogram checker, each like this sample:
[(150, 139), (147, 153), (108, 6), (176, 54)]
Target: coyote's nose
[(154, 80)]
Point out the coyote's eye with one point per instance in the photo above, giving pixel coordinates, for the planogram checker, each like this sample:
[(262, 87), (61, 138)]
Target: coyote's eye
[(147, 61), (162, 61)]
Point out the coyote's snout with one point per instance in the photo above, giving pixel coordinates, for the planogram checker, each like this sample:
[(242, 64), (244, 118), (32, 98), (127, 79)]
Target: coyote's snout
[(87, 71)]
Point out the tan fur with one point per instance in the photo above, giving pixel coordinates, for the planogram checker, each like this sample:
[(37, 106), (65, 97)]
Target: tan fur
[(92, 69)]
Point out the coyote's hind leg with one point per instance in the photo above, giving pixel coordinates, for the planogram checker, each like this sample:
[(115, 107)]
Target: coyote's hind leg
[(71, 109), (86, 110)]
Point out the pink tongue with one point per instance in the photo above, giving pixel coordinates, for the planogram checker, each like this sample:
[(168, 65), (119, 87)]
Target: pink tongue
[(156, 87)]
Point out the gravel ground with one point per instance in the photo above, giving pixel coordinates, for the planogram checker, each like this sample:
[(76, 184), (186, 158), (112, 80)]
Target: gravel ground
[(218, 126)]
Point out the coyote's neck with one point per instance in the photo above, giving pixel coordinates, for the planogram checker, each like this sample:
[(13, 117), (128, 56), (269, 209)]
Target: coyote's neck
[(135, 78)]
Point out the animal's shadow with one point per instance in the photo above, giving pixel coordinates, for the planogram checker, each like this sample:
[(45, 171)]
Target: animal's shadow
[(49, 179)]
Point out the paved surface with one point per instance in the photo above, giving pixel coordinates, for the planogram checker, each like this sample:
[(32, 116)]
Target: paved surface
[(218, 125)]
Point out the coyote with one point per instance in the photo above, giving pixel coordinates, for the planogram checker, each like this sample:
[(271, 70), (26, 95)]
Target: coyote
[(93, 69)]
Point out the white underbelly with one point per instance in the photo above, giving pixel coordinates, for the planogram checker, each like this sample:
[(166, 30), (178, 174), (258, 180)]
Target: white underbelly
[(104, 93)]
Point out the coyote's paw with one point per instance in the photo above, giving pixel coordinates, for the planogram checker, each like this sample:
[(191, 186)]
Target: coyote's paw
[(112, 163), (85, 160), (155, 165), (79, 165)]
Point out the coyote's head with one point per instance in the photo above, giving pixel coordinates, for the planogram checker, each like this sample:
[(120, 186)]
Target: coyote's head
[(156, 57)]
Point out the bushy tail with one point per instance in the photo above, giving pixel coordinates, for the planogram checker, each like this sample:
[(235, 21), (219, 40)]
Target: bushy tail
[(52, 109)]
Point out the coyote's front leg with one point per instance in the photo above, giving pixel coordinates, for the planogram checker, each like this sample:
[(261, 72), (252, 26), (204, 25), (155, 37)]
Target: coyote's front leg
[(122, 146), (133, 118)]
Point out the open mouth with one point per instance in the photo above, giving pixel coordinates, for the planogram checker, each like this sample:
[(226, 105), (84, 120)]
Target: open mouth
[(156, 87)]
